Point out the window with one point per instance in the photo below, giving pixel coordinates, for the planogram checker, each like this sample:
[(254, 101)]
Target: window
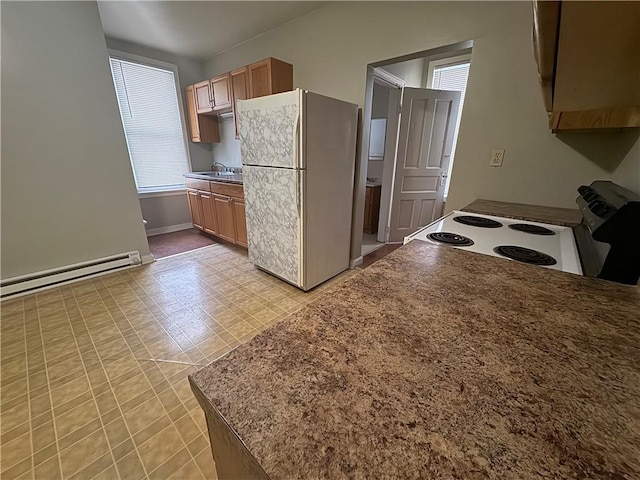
[(450, 74), (153, 124)]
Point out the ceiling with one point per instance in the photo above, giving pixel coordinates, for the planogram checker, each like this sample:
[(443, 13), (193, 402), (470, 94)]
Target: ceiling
[(196, 29)]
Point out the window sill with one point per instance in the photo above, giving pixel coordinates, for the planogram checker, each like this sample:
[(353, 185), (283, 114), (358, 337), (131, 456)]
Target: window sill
[(163, 192)]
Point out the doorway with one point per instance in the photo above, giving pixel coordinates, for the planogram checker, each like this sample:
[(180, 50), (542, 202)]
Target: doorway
[(405, 187)]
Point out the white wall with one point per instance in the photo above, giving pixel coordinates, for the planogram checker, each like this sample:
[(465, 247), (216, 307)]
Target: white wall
[(410, 71), (68, 193), (379, 109), (331, 47), (227, 151), (165, 212)]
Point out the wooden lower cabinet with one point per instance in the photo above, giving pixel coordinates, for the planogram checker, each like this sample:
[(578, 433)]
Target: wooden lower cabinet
[(224, 213), (372, 208), (218, 209), (240, 221), (210, 222), (195, 205)]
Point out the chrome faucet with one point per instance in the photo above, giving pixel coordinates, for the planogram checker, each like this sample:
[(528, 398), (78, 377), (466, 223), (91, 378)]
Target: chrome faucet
[(221, 164)]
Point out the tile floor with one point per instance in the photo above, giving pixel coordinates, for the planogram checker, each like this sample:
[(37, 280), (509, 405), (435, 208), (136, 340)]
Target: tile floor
[(83, 391)]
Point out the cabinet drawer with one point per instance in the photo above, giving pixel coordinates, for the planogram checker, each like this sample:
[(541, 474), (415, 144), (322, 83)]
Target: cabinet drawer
[(227, 189), (198, 184)]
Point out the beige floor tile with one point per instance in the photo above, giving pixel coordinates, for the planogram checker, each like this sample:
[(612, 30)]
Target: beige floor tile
[(117, 432), (160, 448), (144, 415), (16, 367), (15, 451), (76, 418), (13, 390), (131, 388), (187, 428), (94, 468), (190, 471), (69, 391), (241, 329), (64, 368), (84, 452), (13, 417), (119, 365), (108, 474), (43, 436), (172, 465), (207, 466), (130, 467), (49, 470)]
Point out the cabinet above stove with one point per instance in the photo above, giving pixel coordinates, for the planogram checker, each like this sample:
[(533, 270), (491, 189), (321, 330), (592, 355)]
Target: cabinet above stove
[(588, 56)]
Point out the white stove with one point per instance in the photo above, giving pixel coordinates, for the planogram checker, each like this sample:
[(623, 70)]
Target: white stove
[(550, 246)]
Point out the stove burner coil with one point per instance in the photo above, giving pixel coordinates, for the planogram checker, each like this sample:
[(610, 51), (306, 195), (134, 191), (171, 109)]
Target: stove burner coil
[(451, 239), (533, 229), (477, 221), (525, 255)]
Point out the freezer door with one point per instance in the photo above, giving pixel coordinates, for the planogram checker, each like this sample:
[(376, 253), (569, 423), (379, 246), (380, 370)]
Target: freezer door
[(274, 222), (269, 130)]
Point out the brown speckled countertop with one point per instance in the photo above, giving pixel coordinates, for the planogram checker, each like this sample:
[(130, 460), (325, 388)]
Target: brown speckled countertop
[(237, 178), (440, 363), (567, 217)]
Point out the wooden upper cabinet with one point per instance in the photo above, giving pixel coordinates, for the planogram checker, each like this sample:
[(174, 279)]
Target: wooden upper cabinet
[(192, 114), (239, 84), (239, 90), (204, 101), (221, 92), (588, 56), (202, 128), (269, 76)]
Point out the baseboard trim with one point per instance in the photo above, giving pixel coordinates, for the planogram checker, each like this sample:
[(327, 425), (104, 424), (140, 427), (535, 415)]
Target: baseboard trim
[(355, 262), (168, 229)]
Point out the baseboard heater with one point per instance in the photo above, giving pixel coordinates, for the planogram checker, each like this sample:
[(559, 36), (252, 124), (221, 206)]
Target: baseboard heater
[(33, 282)]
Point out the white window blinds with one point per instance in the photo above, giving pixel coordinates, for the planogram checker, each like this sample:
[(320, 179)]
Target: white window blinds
[(148, 101), (452, 77)]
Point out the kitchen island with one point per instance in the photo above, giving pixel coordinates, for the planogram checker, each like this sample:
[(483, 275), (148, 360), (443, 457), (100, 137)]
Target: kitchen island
[(436, 363)]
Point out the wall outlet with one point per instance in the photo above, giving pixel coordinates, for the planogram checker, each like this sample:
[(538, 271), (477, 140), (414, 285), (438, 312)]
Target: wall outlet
[(496, 158)]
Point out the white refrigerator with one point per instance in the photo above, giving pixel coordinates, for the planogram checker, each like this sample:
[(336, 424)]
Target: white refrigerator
[(298, 158)]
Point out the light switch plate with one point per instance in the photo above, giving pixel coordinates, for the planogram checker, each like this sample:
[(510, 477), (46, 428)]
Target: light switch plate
[(496, 158)]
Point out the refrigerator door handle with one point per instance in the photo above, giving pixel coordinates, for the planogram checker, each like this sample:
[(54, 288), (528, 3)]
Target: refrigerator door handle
[(296, 141)]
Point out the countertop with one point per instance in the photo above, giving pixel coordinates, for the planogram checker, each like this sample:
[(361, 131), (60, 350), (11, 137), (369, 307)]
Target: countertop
[(440, 363), (567, 217), (237, 178)]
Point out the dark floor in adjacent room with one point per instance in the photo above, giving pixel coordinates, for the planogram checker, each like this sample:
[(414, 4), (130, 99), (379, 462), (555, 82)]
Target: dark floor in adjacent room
[(378, 254), (178, 242)]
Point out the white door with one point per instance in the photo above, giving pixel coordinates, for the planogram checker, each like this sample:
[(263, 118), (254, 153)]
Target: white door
[(274, 222), (269, 130), (425, 138)]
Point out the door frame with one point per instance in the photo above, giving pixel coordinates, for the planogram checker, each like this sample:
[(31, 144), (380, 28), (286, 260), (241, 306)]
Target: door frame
[(396, 87), (387, 79), (364, 133)]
